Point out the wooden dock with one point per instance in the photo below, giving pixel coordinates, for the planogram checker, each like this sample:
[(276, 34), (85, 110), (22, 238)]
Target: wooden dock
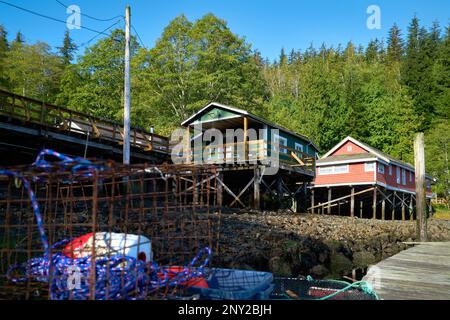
[(418, 273)]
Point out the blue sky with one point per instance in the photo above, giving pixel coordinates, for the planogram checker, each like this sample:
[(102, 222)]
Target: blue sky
[(268, 24)]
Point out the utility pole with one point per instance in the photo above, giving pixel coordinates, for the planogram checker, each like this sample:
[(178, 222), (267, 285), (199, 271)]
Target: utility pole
[(127, 97), (419, 163)]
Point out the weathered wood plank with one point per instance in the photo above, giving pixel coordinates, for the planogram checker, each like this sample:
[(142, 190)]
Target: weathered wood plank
[(419, 273)]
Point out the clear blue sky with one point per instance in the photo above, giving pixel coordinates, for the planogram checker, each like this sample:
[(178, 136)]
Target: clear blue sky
[(268, 24)]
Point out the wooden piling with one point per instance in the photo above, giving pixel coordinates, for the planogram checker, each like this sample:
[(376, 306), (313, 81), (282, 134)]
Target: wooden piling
[(220, 191), (419, 163), (329, 201), (312, 201), (256, 189), (352, 203), (393, 205), (361, 203), (411, 208), (374, 205), (403, 207)]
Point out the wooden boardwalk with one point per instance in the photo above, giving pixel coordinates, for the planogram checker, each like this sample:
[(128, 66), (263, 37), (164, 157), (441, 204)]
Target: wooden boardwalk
[(418, 273)]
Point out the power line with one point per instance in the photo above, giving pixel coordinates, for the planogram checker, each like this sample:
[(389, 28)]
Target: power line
[(139, 37), (91, 17), (47, 17), (90, 40)]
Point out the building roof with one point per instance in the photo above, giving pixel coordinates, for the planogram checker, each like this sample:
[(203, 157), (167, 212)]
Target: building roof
[(347, 158), (248, 114), (371, 150)]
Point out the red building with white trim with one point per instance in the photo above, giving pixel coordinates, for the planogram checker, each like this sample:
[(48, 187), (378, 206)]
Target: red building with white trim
[(370, 182)]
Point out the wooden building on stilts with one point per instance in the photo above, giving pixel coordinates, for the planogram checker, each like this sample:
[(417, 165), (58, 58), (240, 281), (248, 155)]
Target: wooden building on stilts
[(356, 179), (261, 164)]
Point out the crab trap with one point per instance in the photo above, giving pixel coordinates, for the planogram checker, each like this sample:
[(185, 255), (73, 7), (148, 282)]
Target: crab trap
[(72, 228)]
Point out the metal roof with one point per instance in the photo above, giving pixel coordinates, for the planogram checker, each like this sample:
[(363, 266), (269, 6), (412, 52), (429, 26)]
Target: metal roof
[(250, 115)]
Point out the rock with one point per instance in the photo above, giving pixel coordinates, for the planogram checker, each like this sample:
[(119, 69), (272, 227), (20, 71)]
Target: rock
[(340, 264), (363, 258), (319, 271), (280, 267)]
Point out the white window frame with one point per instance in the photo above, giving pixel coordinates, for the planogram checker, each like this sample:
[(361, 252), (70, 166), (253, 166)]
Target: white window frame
[(371, 168), (350, 148), (282, 147), (410, 176), (333, 169), (381, 168), (390, 170), (397, 175), (299, 145), (341, 166), (403, 177)]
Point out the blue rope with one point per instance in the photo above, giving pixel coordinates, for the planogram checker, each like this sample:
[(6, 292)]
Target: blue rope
[(115, 277)]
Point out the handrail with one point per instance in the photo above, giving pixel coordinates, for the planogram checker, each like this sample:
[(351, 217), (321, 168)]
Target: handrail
[(61, 118), (223, 152)]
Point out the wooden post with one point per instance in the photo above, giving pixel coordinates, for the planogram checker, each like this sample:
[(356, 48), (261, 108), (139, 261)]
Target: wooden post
[(279, 187), (127, 95), (361, 203), (220, 192), (329, 200), (188, 145), (403, 207), (245, 139), (383, 208), (374, 206), (419, 164), (312, 201), (256, 189), (352, 203), (411, 209), (393, 205)]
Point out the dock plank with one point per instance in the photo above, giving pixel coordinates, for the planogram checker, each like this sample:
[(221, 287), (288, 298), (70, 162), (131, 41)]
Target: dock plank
[(418, 273)]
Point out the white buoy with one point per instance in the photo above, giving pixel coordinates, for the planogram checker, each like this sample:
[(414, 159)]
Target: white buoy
[(110, 244)]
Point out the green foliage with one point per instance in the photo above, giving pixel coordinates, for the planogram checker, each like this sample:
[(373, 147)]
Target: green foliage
[(4, 46), (68, 49), (95, 84), (437, 147), (33, 70), (382, 96), (193, 64)]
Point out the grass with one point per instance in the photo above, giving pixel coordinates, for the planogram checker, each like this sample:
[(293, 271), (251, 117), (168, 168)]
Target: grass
[(442, 213)]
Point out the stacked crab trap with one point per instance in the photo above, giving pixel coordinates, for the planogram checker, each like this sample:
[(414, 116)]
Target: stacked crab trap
[(71, 228)]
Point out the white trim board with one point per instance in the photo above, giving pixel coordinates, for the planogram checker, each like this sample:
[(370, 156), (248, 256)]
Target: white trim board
[(368, 149)]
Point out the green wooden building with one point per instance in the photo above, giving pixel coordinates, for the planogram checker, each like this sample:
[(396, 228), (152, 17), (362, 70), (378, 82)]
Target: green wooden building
[(252, 153)]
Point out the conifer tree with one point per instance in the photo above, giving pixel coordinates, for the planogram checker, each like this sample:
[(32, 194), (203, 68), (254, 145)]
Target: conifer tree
[(68, 49)]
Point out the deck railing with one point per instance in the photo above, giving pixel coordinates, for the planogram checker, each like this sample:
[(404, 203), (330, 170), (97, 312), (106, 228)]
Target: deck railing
[(48, 116), (256, 151)]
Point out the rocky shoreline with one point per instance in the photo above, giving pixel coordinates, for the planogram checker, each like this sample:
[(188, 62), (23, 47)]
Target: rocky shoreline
[(318, 245)]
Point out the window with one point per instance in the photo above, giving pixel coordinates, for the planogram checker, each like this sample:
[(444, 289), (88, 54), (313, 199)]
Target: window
[(410, 176), (368, 167), (398, 175), (390, 170), (325, 170), (333, 169), (341, 169), (349, 148), (381, 168), (281, 141), (403, 176), (298, 147)]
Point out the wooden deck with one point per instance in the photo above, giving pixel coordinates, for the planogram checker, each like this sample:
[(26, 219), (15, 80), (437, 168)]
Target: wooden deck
[(418, 273)]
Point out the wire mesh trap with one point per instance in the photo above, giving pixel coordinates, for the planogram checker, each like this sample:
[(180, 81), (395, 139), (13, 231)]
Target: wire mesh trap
[(80, 229), (310, 289)]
